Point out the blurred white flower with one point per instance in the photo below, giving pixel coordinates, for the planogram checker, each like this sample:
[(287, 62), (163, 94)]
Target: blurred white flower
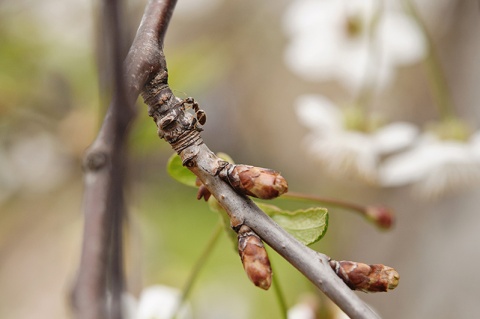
[(196, 7), (347, 151), (161, 302), (435, 167), (34, 163), (350, 41), (310, 306), (301, 311)]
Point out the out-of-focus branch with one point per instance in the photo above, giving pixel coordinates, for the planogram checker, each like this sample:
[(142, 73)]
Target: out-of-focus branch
[(99, 279)]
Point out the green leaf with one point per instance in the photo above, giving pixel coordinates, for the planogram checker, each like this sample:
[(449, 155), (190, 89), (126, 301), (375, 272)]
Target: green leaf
[(179, 172), (182, 174), (307, 225), (225, 157)]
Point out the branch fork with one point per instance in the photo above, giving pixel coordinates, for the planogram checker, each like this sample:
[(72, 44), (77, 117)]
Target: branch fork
[(228, 183)]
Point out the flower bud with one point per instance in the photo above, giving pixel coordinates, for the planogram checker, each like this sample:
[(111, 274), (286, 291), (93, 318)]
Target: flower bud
[(380, 215), (367, 278), (254, 258), (254, 181)]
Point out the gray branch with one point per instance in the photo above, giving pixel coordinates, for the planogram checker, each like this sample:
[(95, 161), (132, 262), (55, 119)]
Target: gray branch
[(314, 265)]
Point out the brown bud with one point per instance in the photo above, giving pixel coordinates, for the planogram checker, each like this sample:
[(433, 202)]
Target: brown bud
[(382, 216), (254, 181), (367, 278), (203, 191), (254, 258)]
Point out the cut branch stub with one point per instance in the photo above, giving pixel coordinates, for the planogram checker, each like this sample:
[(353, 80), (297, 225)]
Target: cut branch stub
[(367, 278), (254, 181), (254, 258)]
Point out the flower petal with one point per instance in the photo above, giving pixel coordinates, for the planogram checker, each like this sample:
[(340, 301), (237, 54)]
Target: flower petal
[(414, 165), (400, 38), (304, 15), (395, 136), (346, 153), (475, 144), (312, 57), (318, 113), (160, 302)]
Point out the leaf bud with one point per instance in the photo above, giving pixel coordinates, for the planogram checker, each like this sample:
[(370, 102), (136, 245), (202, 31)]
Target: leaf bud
[(254, 258), (254, 181), (367, 278)]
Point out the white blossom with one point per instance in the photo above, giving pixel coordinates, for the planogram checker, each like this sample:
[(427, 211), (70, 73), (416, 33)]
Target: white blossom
[(345, 151), (196, 7), (155, 302), (435, 167), (331, 39), (309, 306), (301, 311), (33, 163)]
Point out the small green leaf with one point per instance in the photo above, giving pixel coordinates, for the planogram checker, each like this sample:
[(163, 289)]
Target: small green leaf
[(182, 174), (307, 225), (225, 157), (179, 172)]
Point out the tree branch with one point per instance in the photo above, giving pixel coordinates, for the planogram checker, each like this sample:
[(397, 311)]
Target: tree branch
[(146, 57), (180, 128), (146, 71), (315, 266), (100, 278)]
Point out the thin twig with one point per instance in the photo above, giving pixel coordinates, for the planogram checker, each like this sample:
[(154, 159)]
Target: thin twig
[(202, 259), (326, 200), (437, 79), (279, 294)]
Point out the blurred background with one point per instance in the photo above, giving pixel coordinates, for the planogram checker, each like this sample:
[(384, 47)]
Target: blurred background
[(229, 56)]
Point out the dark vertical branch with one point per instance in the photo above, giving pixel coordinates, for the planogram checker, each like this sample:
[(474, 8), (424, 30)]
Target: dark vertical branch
[(100, 268), (123, 113), (100, 278)]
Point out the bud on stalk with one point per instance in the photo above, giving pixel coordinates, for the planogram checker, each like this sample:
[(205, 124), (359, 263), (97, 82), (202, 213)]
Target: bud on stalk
[(382, 216), (367, 278), (254, 258), (254, 181)]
